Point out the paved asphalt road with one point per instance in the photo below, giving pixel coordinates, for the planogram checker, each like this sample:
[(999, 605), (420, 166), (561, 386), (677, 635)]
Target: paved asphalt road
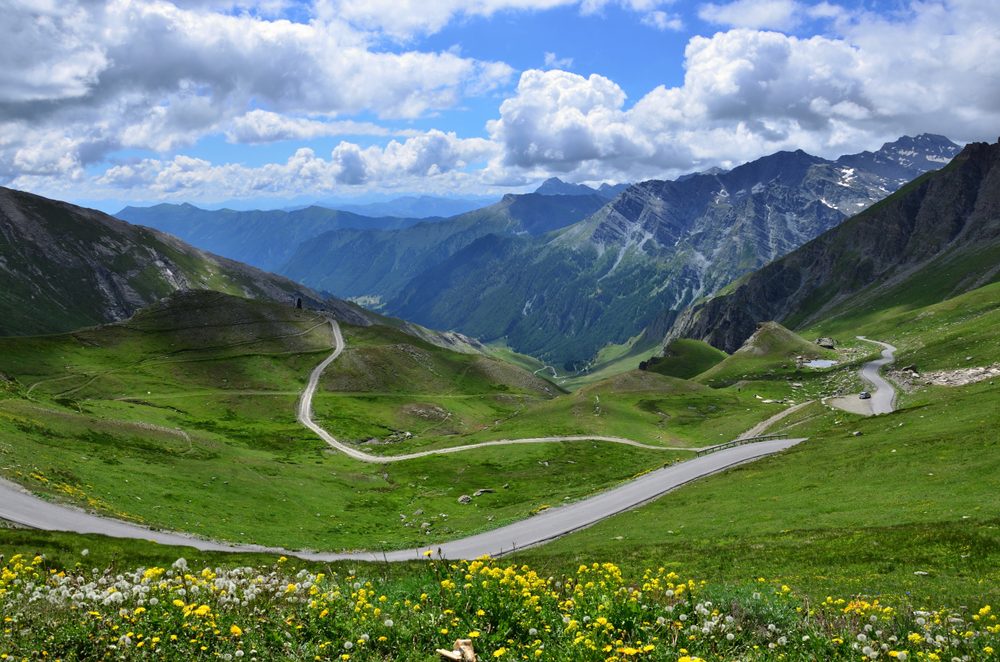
[(304, 416), (17, 505), (883, 394)]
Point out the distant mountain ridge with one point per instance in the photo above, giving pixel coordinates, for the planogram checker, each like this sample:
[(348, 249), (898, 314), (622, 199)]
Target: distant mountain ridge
[(556, 186), (419, 206), (266, 238), (560, 276), (377, 264), (65, 267), (651, 251), (937, 237)]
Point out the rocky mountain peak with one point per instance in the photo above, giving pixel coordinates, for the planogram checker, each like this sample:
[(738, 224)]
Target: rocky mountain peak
[(789, 168), (556, 186), (927, 233), (903, 159)]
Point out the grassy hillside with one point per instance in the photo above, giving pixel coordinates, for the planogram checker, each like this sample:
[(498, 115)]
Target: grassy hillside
[(956, 333), (868, 514), (838, 513), (798, 551), (686, 358), (67, 267), (190, 405), (771, 351)]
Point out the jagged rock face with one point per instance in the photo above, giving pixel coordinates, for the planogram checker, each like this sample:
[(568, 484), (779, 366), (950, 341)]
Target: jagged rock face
[(932, 231), (902, 160), (648, 254), (64, 267)]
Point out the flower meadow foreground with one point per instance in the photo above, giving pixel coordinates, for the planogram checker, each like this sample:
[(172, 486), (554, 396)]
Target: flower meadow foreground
[(508, 611)]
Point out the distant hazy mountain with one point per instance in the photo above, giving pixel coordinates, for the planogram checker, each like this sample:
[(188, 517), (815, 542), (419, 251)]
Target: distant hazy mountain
[(658, 246), (65, 267), (556, 186), (422, 206), (934, 239), (265, 239), (376, 263)]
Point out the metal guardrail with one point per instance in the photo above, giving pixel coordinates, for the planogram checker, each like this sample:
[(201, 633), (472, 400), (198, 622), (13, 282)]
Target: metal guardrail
[(738, 442)]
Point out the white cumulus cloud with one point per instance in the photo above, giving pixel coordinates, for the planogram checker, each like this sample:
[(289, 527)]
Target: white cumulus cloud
[(404, 19), (156, 75), (934, 68), (262, 126), (430, 160), (757, 14)]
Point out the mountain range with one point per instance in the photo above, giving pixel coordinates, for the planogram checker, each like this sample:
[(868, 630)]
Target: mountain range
[(565, 271), (938, 237), (377, 265), (66, 267), (556, 186), (650, 252), (264, 238), (413, 206)]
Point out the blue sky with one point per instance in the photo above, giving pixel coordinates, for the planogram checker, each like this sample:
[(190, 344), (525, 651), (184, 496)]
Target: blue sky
[(270, 102)]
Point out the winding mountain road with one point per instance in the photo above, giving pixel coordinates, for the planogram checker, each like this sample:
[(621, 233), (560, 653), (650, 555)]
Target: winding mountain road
[(304, 416), (20, 506), (884, 395)]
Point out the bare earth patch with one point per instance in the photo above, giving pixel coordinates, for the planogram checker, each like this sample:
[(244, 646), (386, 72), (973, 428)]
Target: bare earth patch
[(909, 378)]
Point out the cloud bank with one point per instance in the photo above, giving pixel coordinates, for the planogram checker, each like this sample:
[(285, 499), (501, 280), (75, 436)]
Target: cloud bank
[(82, 80)]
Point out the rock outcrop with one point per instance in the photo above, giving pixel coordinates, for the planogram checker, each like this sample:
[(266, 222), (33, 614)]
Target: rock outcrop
[(914, 246)]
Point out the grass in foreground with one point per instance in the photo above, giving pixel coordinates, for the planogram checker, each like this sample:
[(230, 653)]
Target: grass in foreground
[(842, 513), (182, 612)]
